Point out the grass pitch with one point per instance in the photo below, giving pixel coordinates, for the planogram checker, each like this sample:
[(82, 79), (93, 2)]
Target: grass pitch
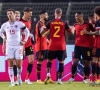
[(64, 86)]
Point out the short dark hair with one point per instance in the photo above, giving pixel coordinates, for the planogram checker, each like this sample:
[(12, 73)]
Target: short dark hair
[(27, 9), (42, 12), (11, 10), (90, 16), (58, 10), (80, 13), (97, 10)]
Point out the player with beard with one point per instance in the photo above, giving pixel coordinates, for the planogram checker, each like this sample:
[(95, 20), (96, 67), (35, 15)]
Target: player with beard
[(41, 43)]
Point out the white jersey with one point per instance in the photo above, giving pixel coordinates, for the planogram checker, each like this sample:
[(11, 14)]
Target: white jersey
[(13, 32)]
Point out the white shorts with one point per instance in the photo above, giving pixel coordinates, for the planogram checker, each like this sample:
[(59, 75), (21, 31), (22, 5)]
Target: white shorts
[(14, 52)]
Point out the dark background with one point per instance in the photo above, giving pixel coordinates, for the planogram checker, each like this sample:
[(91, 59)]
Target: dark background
[(49, 1), (69, 7)]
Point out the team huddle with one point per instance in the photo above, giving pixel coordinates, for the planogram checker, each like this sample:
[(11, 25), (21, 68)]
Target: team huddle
[(17, 44)]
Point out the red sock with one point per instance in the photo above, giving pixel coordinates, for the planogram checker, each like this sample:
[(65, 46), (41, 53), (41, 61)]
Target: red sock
[(98, 77), (27, 75), (15, 78), (94, 78)]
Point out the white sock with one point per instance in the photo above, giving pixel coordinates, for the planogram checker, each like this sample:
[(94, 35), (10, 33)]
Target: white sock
[(59, 80), (19, 70), (48, 74), (11, 74)]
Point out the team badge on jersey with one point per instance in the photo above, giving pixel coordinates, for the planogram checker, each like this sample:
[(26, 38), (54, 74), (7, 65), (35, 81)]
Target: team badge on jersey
[(16, 26)]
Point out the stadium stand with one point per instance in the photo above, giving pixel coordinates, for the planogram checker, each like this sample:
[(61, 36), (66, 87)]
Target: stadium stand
[(69, 9)]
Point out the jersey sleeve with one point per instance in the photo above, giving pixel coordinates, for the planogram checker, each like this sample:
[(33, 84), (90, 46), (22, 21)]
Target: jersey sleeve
[(91, 28), (97, 25), (66, 26), (39, 26), (48, 25), (2, 30), (22, 25)]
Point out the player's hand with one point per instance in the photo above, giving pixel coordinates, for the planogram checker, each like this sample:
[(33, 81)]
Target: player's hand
[(22, 42), (3, 49), (97, 32), (31, 35), (84, 31), (72, 29), (23, 33), (48, 41), (4, 40), (4, 46)]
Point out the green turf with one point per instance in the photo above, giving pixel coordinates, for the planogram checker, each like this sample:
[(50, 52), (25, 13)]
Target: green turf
[(34, 86)]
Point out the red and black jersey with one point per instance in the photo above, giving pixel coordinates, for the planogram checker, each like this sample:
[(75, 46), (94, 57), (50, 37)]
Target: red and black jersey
[(41, 43), (57, 29), (92, 38), (28, 25), (83, 40), (97, 40), (92, 41)]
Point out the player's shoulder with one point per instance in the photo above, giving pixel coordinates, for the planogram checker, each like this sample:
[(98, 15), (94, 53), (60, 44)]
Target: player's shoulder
[(39, 22), (5, 24), (63, 20), (76, 24), (19, 22), (97, 24), (22, 20), (55, 20), (87, 23)]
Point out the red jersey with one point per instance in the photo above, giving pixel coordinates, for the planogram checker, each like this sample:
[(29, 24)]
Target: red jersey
[(92, 41), (41, 42), (28, 25), (57, 29), (82, 40), (97, 39)]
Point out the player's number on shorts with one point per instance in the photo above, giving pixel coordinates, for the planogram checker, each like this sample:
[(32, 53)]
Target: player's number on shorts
[(57, 28), (12, 32), (31, 49)]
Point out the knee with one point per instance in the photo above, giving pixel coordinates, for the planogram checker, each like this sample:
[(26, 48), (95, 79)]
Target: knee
[(39, 62), (86, 63), (75, 63), (10, 62), (30, 59)]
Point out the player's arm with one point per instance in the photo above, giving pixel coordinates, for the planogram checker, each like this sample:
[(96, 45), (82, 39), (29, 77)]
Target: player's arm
[(46, 30), (97, 32), (2, 30), (42, 30), (68, 30), (46, 33), (48, 41), (91, 33), (4, 46), (72, 29), (92, 29), (27, 33), (3, 36)]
